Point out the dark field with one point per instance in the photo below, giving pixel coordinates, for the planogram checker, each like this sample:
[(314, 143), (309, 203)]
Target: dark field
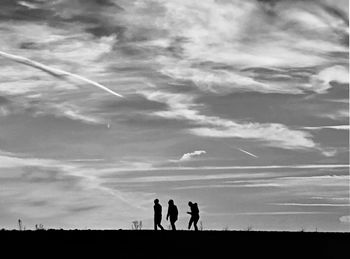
[(180, 244)]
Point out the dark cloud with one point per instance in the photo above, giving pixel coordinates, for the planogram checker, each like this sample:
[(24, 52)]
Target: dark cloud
[(38, 203), (106, 30), (12, 10), (337, 91), (79, 209), (134, 102), (35, 174), (4, 100)]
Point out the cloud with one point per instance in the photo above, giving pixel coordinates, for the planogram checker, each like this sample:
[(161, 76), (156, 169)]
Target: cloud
[(345, 219), (10, 160), (329, 152), (287, 213), (335, 127), (149, 167), (192, 155), (338, 74), (340, 114), (54, 71), (276, 135), (71, 111), (248, 153), (28, 5), (213, 47), (188, 55), (182, 107), (314, 204), (315, 183), (188, 177), (66, 186), (65, 49), (217, 81)]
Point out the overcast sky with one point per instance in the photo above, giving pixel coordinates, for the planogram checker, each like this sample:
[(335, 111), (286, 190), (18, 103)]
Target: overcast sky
[(241, 106)]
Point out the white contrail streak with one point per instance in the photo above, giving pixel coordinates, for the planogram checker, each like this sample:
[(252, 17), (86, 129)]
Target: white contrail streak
[(55, 71), (337, 127), (247, 152)]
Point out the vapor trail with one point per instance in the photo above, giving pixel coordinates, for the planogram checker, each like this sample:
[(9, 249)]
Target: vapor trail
[(54, 71), (247, 152), (337, 127)]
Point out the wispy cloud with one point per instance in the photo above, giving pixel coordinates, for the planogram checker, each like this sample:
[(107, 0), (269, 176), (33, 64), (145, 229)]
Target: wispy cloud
[(199, 168), (336, 127), (340, 114), (246, 152), (54, 71), (313, 204), (192, 155), (71, 52), (337, 73), (215, 43), (182, 107), (345, 219), (192, 72), (88, 179), (188, 177), (29, 5), (286, 213)]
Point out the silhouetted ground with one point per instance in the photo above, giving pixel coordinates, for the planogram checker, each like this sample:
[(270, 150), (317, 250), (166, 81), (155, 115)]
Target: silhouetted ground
[(180, 244)]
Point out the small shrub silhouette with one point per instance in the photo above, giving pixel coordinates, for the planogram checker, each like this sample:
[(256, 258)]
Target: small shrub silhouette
[(21, 227), (39, 227), (136, 225)]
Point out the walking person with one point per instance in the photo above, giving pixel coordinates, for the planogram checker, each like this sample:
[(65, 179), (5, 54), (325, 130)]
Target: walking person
[(172, 214), (157, 215), (194, 215)]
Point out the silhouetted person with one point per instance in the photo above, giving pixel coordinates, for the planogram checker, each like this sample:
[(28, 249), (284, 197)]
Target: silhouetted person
[(157, 215), (194, 215), (172, 214)]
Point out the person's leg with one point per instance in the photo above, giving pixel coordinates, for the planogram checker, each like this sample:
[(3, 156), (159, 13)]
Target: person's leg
[(190, 223), (173, 225), (160, 226), (155, 224), (195, 223)]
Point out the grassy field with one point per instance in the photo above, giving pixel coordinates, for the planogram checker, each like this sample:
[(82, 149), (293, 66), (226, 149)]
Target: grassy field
[(180, 244)]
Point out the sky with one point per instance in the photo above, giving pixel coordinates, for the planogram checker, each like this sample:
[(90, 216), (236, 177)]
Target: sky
[(239, 105)]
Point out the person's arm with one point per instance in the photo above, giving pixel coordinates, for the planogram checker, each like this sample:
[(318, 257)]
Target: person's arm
[(167, 215)]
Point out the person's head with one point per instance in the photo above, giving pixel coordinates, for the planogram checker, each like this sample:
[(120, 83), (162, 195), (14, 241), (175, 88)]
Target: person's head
[(171, 202), (190, 203), (156, 201)]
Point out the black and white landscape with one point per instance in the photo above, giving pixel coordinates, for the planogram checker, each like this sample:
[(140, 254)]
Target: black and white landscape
[(239, 105)]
